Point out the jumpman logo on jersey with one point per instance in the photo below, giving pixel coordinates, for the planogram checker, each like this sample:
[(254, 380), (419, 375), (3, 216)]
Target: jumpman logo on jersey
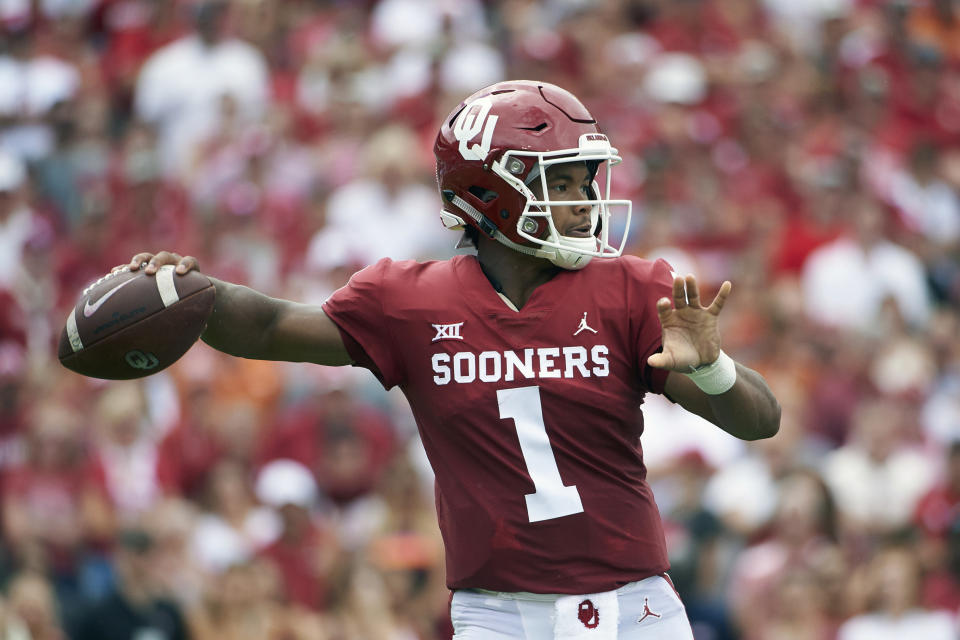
[(646, 611), (584, 326)]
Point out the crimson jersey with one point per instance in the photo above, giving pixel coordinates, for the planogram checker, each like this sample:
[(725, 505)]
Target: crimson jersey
[(530, 418)]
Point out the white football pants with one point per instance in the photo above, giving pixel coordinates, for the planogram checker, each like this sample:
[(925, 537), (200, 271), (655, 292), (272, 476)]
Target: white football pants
[(646, 610)]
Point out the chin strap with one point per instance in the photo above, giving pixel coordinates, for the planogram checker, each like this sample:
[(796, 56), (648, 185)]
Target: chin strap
[(491, 230), (572, 259), (563, 258)]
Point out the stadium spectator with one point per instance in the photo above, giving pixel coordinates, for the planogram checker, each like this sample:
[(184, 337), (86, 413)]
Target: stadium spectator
[(181, 85), (188, 452), (11, 625), (877, 478), (125, 452), (805, 527), (138, 606), (242, 604), (305, 552), (16, 217), (936, 518), (233, 527), (32, 600), (891, 587), (846, 282), (927, 204), (172, 522), (404, 550), (36, 81), (698, 544), (799, 610), (345, 444), (391, 196), (937, 23), (54, 512), (367, 610)]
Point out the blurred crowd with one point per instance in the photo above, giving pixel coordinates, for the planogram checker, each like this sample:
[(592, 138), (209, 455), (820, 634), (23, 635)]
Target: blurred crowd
[(809, 151)]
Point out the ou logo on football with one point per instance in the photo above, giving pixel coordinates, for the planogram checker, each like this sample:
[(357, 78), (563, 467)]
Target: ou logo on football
[(141, 359), (472, 121)]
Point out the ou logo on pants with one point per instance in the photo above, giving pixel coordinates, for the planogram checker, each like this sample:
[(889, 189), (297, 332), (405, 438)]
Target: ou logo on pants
[(588, 614)]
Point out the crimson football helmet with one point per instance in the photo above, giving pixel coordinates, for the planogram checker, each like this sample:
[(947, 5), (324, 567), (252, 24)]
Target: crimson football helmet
[(501, 139)]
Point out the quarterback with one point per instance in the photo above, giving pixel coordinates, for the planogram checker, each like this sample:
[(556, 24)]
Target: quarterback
[(525, 366)]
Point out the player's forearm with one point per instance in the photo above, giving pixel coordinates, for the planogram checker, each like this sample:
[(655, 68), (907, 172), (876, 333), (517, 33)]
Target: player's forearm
[(249, 324), (748, 410), (242, 321)]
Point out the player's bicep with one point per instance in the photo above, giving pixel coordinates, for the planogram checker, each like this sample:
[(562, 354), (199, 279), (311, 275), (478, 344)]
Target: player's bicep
[(681, 389), (304, 333)]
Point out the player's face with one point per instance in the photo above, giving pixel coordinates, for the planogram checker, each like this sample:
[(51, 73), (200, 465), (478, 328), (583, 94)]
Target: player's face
[(570, 181)]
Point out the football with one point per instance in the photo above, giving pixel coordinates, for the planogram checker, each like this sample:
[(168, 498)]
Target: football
[(129, 324)]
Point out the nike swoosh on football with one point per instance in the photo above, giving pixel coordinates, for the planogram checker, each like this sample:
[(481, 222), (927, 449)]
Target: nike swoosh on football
[(90, 309)]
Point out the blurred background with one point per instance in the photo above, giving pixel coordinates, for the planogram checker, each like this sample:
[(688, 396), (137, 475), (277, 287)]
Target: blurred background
[(808, 150)]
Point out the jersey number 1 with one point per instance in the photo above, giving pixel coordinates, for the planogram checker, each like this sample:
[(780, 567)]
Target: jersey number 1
[(551, 499)]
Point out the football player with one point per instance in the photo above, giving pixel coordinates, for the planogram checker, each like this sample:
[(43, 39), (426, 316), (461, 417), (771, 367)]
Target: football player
[(525, 366)]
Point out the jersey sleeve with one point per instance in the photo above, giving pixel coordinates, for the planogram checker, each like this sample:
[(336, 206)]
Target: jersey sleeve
[(357, 310), (655, 282)]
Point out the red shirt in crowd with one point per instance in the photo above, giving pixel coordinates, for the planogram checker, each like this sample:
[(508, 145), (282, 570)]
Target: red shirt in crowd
[(348, 452)]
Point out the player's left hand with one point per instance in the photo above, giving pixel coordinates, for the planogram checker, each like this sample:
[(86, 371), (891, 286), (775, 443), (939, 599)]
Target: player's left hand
[(691, 336)]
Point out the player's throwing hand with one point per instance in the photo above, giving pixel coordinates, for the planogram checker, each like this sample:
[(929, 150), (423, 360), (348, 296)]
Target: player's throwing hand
[(691, 336), (151, 262)]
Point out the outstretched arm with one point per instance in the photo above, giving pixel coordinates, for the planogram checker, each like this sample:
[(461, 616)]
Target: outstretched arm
[(691, 340), (249, 324)]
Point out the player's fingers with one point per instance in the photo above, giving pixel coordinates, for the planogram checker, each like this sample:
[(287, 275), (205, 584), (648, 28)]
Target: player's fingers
[(664, 307), (660, 360), (119, 267), (139, 260), (186, 264), (693, 293), (161, 259), (717, 305), (679, 293)]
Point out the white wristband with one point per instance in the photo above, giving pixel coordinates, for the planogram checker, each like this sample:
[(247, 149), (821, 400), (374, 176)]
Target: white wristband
[(716, 377)]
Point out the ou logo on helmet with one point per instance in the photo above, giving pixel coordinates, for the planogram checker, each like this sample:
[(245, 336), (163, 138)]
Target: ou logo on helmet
[(474, 119)]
